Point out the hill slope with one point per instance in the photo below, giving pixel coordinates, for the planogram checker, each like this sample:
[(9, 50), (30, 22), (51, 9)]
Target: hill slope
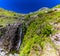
[(42, 37), (37, 34)]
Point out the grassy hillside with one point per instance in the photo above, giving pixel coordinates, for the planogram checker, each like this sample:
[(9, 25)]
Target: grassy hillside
[(7, 17), (42, 37), (38, 38)]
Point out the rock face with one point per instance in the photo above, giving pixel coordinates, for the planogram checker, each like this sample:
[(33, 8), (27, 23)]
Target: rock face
[(11, 37)]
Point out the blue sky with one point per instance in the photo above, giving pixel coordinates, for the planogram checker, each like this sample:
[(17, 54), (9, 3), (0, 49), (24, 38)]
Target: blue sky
[(26, 6)]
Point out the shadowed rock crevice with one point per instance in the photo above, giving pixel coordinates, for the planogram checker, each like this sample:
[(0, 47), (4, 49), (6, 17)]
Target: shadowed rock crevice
[(12, 37)]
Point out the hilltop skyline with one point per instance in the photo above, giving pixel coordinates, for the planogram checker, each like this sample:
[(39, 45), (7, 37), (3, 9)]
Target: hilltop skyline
[(26, 6)]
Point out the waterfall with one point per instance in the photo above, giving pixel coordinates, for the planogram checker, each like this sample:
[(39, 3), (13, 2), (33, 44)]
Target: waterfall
[(21, 32), (20, 35)]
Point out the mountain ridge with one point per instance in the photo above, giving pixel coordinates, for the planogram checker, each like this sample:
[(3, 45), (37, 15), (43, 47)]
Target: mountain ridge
[(37, 33)]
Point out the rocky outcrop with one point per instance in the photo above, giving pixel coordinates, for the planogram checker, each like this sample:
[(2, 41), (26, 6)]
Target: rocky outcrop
[(11, 37)]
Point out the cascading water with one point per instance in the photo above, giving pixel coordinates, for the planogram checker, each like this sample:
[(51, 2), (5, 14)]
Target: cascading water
[(20, 35), (22, 30)]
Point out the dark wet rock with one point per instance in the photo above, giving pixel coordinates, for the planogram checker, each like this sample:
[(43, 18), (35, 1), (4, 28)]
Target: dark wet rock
[(11, 36)]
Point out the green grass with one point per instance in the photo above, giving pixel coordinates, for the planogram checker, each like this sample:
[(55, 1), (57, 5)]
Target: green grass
[(39, 31), (58, 6), (8, 17)]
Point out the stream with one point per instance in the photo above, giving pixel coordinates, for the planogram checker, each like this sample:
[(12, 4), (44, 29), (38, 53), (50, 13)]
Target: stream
[(20, 35)]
